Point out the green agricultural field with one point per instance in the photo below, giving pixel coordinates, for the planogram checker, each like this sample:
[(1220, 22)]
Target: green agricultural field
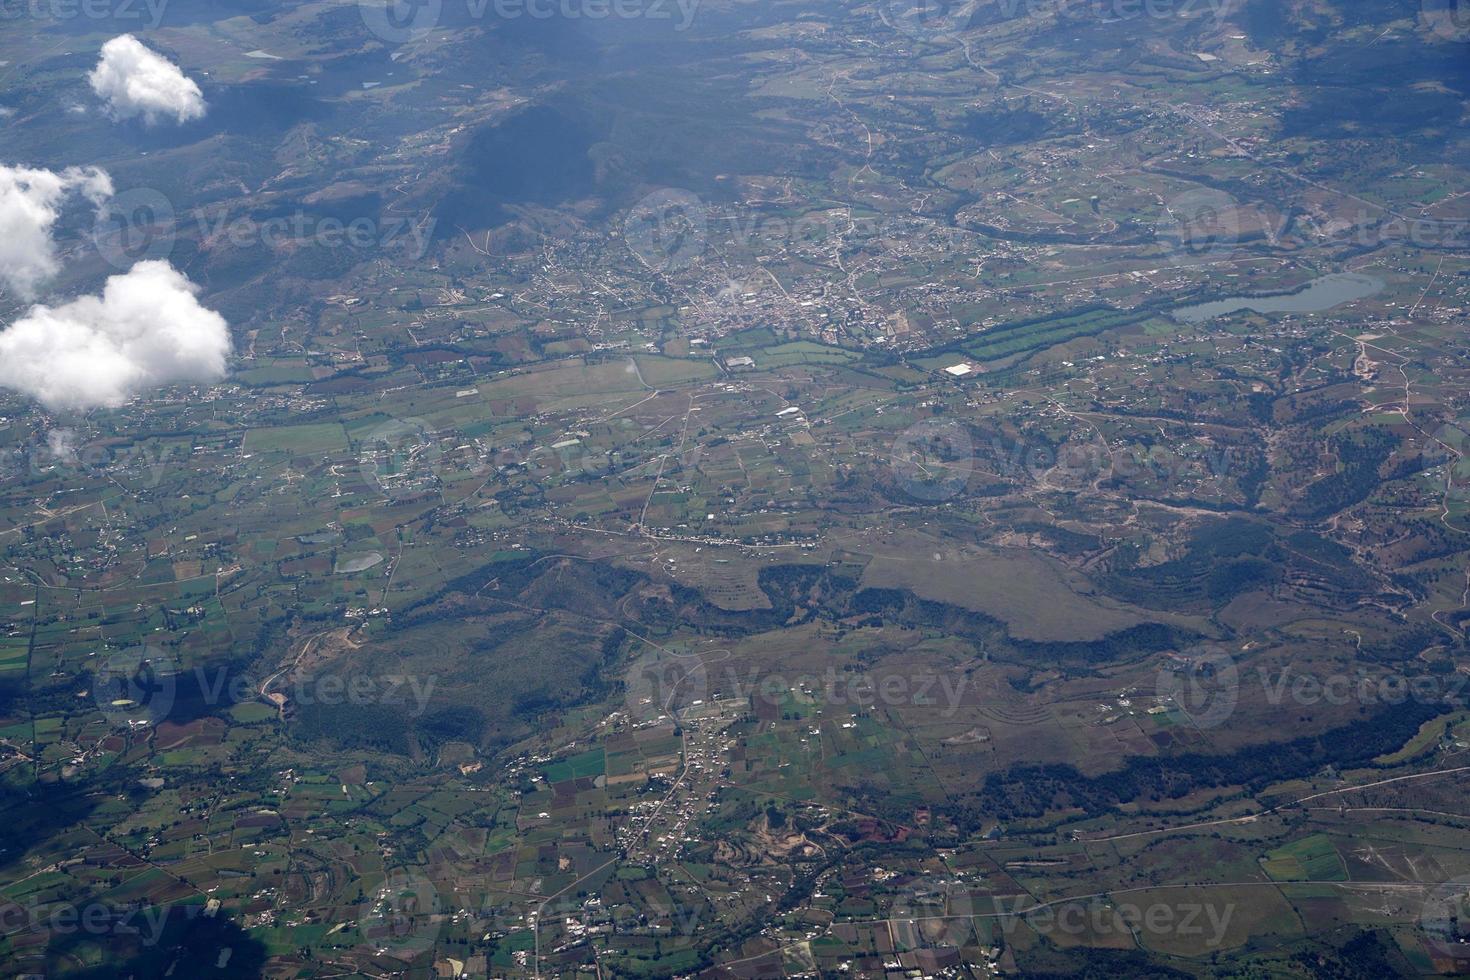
[(1313, 858), (325, 437)]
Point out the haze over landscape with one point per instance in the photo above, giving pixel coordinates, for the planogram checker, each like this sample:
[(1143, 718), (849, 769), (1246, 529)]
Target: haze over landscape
[(734, 488)]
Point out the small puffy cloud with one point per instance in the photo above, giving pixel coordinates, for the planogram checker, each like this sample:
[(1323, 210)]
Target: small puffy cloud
[(63, 444), (146, 329), (30, 201), (135, 81)]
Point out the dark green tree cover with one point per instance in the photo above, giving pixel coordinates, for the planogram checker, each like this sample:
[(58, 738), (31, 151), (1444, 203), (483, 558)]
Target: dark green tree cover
[(1084, 963), (1368, 956), (1224, 559), (1360, 455), (1034, 791), (902, 607)]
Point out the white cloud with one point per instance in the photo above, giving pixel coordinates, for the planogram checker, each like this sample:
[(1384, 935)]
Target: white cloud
[(29, 203), (63, 444), (146, 329), (135, 81)]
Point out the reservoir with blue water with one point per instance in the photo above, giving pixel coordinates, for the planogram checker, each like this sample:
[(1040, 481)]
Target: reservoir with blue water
[(1316, 296)]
